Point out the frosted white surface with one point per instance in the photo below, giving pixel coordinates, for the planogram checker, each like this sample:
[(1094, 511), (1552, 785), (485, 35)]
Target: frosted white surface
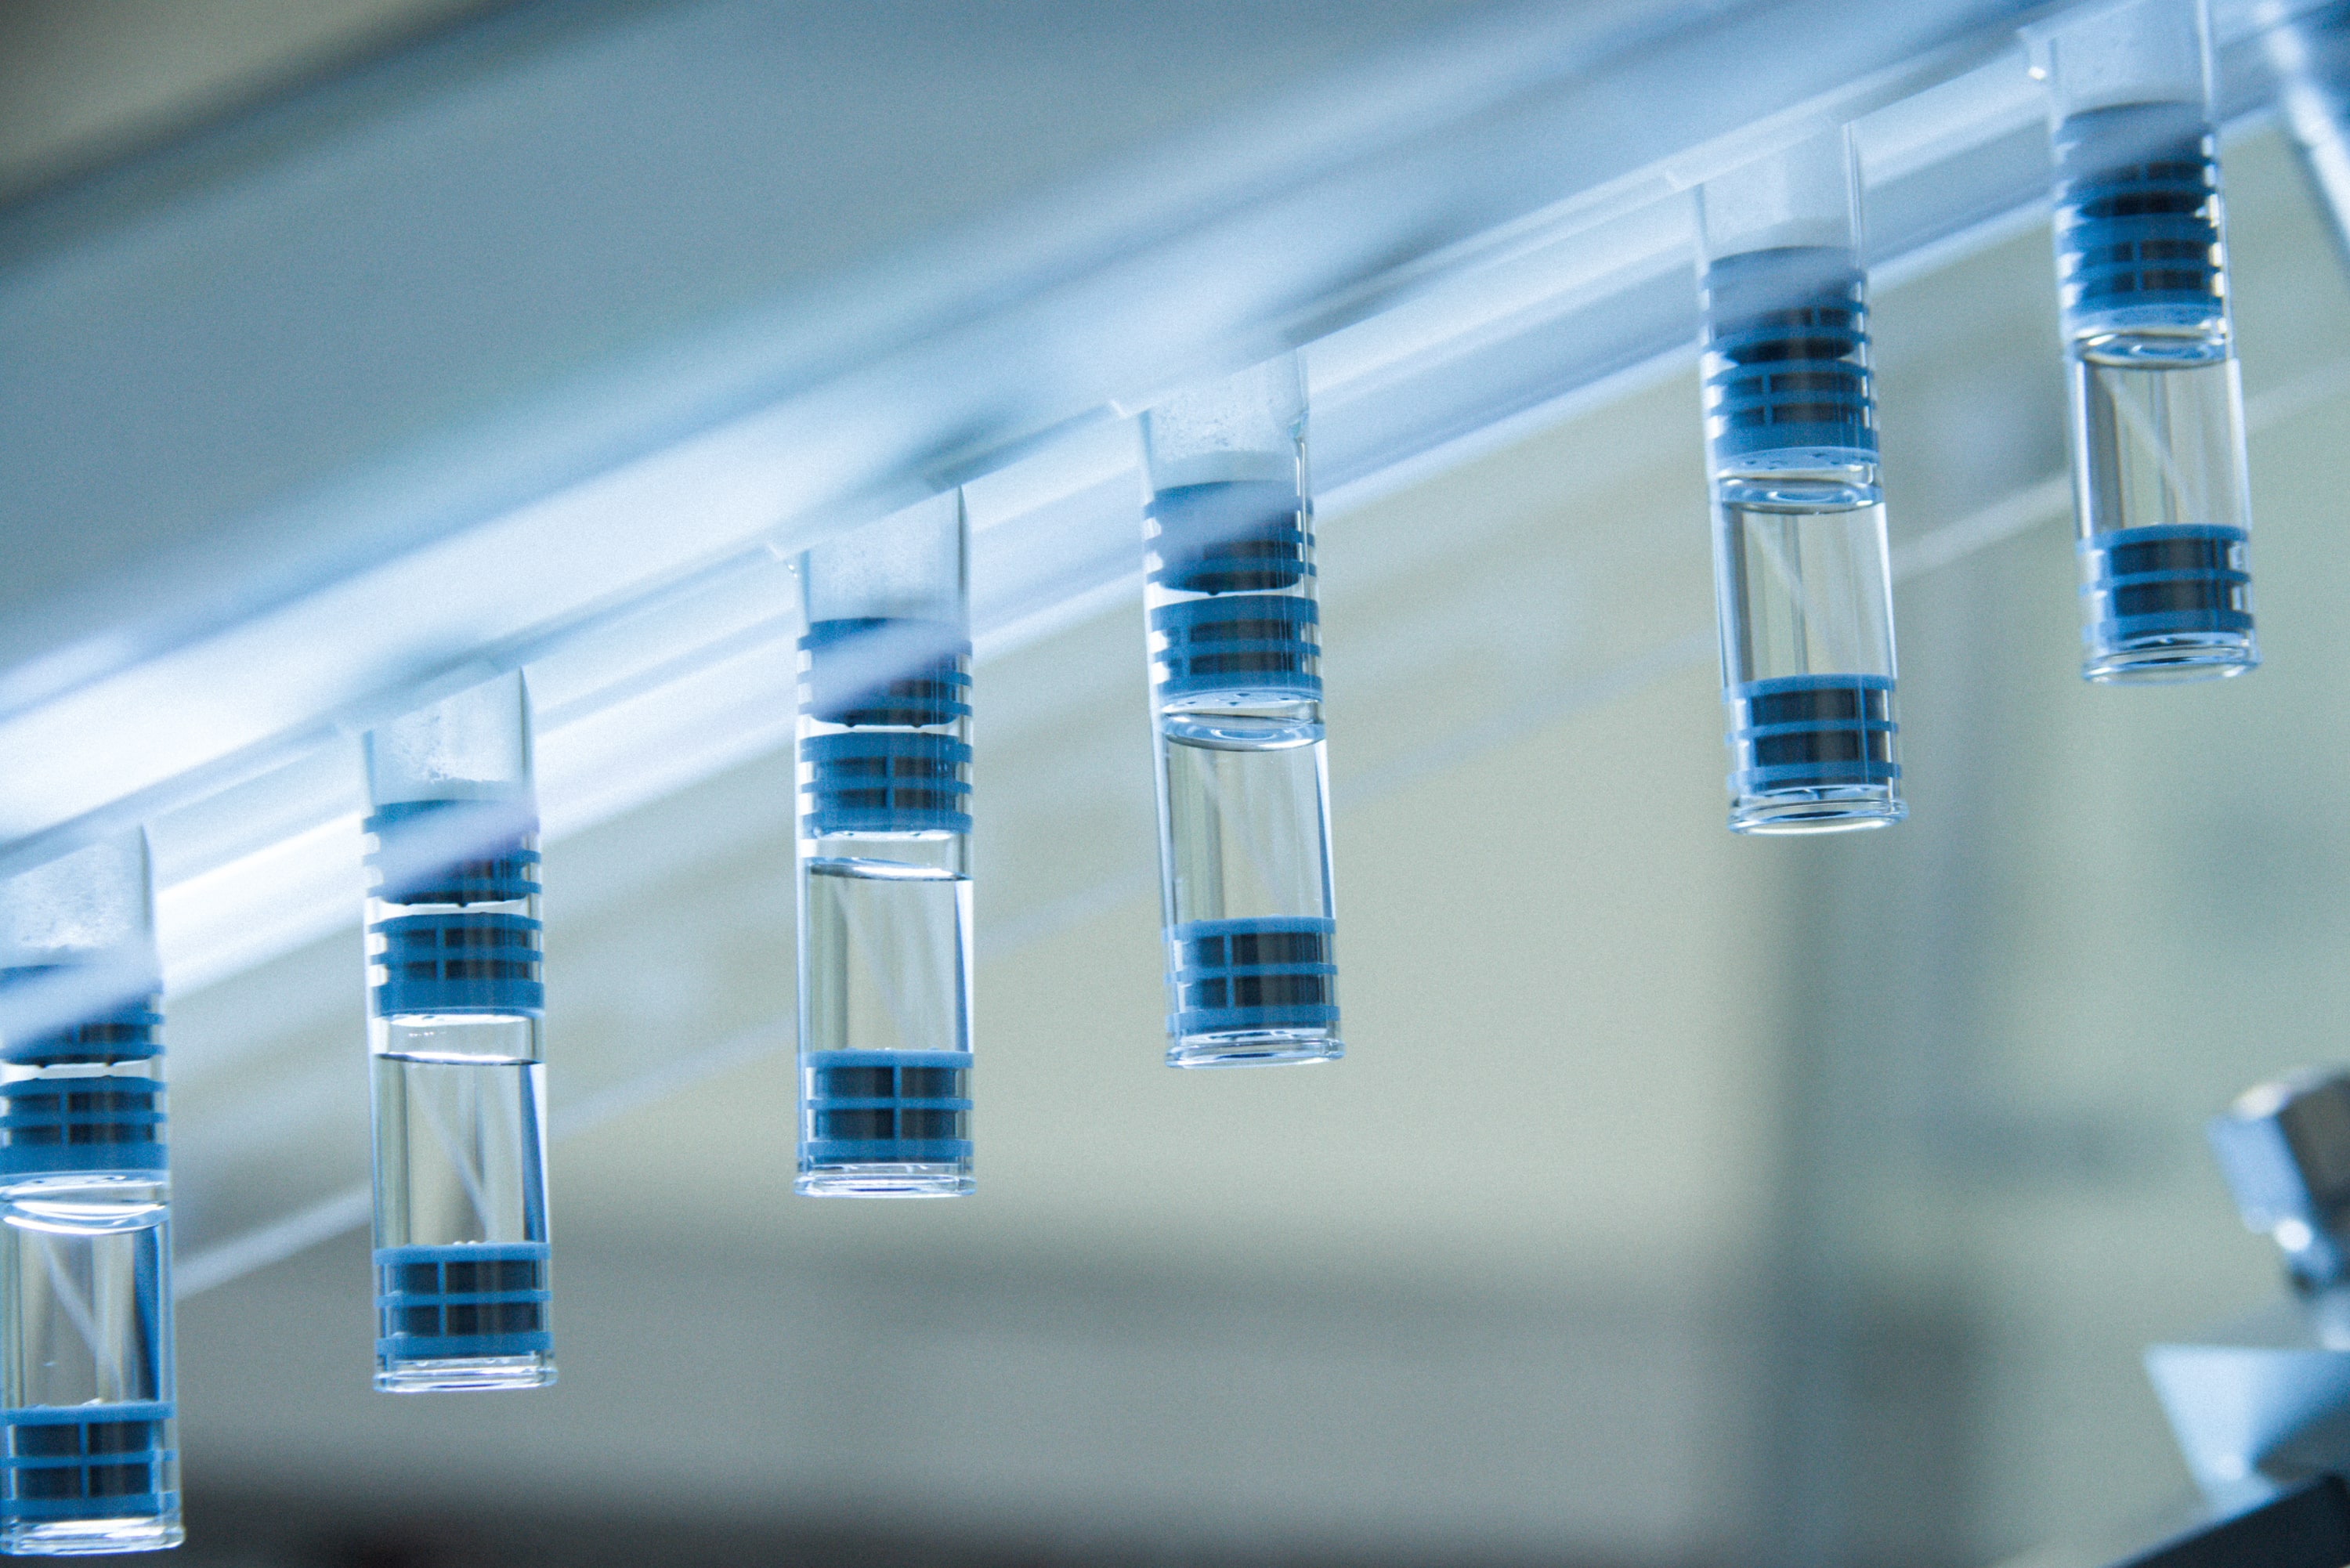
[(1800, 195), (2140, 51), (909, 566), (93, 901), (1236, 427), (472, 746)]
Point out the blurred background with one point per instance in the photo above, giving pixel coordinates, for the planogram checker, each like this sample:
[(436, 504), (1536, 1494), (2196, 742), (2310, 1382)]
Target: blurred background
[(1683, 1200)]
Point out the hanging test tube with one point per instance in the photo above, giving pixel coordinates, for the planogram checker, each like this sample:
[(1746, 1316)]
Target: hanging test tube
[(2157, 430), (461, 1259), (1236, 696), (884, 777), (92, 1461), (1806, 598)]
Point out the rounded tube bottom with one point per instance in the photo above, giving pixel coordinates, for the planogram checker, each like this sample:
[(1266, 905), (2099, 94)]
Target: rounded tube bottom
[(887, 1179), (1829, 808), (2168, 659), (466, 1374), (92, 1537), (1255, 1048)]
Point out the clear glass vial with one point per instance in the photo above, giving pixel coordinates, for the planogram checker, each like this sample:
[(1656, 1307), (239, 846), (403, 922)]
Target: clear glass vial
[(87, 1395), (884, 776), (455, 1006), (2157, 430), (1805, 595), (1234, 634)]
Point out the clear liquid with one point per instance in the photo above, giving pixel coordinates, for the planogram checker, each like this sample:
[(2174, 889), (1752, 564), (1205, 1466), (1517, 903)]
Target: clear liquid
[(885, 945), (459, 1152), (84, 1266), (1248, 820), (459, 1037), (459, 1147), (85, 1276), (884, 771), (460, 1160), (1805, 592), (1235, 650), (1247, 837), (2160, 444)]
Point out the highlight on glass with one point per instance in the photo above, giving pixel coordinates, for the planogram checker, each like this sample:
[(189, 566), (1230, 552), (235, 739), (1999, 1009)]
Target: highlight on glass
[(456, 1005), (1234, 638), (884, 861), (2160, 491), (87, 1393), (1804, 590)]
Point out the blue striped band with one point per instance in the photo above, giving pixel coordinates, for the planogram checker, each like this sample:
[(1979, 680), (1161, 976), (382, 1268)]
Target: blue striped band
[(474, 1299), (88, 1462)]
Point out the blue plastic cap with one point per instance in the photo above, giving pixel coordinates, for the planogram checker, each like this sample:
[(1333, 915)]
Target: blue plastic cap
[(115, 1031), (109, 1124), (891, 672), (1230, 536), (2164, 580), (474, 1299), (1788, 329), (866, 1107), (1811, 732), (885, 781), (465, 962), (87, 1462), (455, 851), (1246, 644), (1238, 976), (2138, 235)]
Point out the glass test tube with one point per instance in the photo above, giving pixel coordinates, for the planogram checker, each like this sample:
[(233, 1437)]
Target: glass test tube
[(1804, 596), (87, 1390), (2160, 488), (1236, 698), (461, 1259), (884, 779)]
